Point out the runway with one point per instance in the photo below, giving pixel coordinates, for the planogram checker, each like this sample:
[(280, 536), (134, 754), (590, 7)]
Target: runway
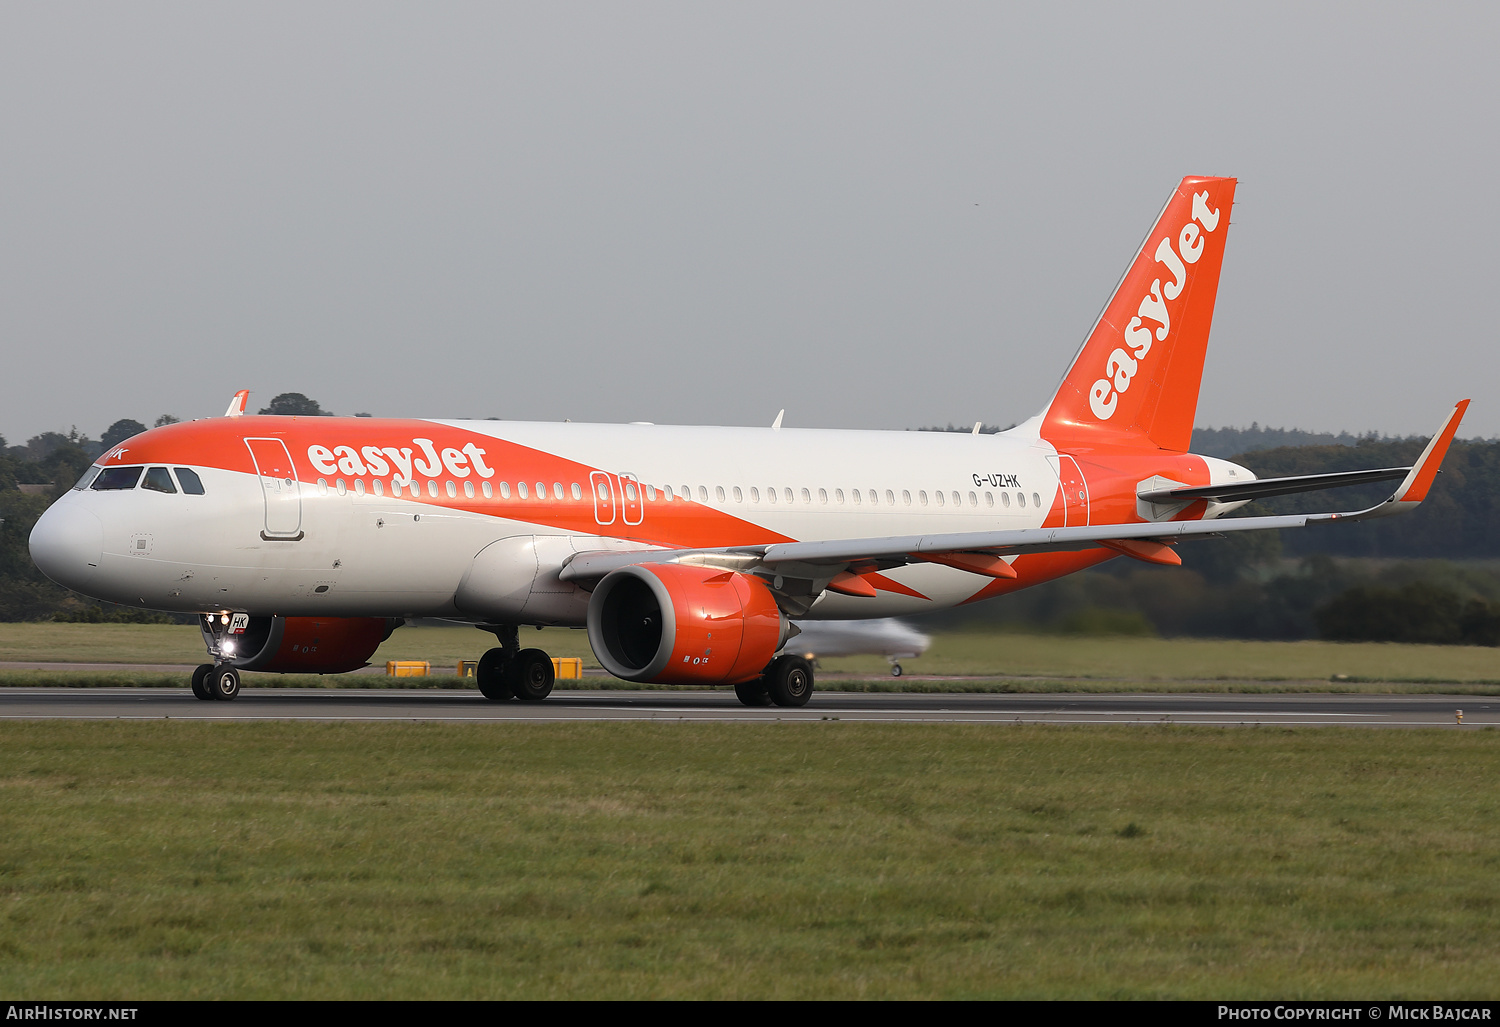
[(1300, 710)]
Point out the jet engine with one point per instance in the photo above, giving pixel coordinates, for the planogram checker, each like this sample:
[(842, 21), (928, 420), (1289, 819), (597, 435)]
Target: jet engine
[(297, 645), (679, 624)]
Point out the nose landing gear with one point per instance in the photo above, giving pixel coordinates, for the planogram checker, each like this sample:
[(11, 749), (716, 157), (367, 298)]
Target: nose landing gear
[(216, 682)]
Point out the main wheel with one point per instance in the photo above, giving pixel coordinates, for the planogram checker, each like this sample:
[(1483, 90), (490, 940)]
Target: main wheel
[(895, 670), (531, 675), (200, 681), (493, 675), (753, 692), (789, 680), (224, 682)]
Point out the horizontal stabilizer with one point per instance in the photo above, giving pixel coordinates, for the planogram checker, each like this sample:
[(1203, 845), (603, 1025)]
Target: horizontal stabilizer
[(1264, 488)]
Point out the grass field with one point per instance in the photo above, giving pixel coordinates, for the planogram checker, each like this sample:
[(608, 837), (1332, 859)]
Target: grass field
[(1051, 662), (154, 860)]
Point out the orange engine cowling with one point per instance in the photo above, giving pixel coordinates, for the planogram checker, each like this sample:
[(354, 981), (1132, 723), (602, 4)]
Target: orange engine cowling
[(301, 645), (676, 624)]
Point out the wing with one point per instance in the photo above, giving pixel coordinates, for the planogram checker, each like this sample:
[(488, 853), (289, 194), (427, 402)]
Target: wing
[(839, 563)]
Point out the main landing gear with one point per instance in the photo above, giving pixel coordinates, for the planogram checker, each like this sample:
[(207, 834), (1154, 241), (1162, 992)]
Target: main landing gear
[(510, 671), (216, 682), (788, 681)]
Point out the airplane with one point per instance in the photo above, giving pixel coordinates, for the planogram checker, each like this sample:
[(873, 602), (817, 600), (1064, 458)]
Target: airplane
[(686, 552), (884, 636)]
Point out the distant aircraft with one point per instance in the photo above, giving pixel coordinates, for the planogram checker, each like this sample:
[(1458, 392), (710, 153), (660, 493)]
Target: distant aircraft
[(885, 636), (687, 551)]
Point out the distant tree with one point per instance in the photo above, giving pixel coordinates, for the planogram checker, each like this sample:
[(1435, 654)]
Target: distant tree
[(166, 419), (120, 431), (40, 447), (64, 466), (1418, 612), (296, 405)]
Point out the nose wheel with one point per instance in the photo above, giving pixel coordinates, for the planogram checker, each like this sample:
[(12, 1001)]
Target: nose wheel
[(216, 682)]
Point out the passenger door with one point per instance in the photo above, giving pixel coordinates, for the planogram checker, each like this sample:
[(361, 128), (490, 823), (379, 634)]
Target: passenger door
[(279, 487)]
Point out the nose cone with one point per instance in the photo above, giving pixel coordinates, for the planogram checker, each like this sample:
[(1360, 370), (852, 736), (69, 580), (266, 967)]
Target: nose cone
[(66, 544)]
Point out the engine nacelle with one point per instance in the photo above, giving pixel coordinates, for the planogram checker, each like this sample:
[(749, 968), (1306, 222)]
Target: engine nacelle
[(678, 624), (299, 645)]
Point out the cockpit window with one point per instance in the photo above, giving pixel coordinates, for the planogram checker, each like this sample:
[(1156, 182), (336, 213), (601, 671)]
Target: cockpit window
[(88, 477), (114, 478), (158, 480), (191, 483)]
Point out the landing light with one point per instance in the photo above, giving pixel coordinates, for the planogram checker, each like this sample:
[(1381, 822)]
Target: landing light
[(223, 618), (227, 648)]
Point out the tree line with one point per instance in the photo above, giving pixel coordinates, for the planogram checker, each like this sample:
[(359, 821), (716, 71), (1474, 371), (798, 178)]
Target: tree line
[(1417, 577)]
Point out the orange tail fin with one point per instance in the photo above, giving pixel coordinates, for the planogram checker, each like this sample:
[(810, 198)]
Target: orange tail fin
[(1135, 381)]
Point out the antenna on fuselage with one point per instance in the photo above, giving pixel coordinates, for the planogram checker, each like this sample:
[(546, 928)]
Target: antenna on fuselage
[(977, 425), (237, 405), (776, 424)]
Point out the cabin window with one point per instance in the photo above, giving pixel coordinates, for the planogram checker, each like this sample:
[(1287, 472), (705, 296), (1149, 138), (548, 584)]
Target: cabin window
[(906, 497), (522, 491), (541, 490), (989, 499), (938, 495), (379, 487), (650, 493), (666, 490), (489, 492), (854, 495), (557, 490), (117, 479), (922, 496), (687, 492), (1021, 500), (192, 485), (359, 486), (468, 490), (630, 492), (339, 485), (823, 496), (788, 494), (890, 498), (957, 499), (159, 479), (577, 491), (504, 489), (1005, 500), (719, 492), (702, 493), (770, 495), (973, 499), (431, 489), (1036, 500), (88, 477), (739, 497), (451, 488), (838, 496), (874, 498), (754, 494), (806, 496), (415, 490)]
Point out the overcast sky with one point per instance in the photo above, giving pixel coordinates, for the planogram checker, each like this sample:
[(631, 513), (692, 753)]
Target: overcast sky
[(873, 215)]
